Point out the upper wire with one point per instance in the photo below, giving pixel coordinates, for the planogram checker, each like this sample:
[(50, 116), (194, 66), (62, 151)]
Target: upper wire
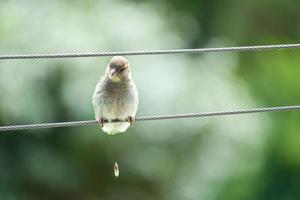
[(161, 117), (152, 52)]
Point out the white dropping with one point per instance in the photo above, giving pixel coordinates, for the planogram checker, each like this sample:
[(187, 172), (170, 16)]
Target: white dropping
[(116, 169)]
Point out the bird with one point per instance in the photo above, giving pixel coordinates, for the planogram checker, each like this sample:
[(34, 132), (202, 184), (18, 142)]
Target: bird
[(116, 97)]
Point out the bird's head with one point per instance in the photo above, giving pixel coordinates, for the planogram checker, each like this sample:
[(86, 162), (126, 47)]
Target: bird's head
[(118, 69)]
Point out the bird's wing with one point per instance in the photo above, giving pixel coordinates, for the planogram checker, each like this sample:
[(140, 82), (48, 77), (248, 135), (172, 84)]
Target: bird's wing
[(96, 100)]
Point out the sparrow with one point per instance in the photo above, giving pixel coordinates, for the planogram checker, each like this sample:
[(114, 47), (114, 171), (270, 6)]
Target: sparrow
[(116, 97)]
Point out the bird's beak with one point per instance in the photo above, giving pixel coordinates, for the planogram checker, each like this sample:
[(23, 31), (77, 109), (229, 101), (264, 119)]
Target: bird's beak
[(113, 72)]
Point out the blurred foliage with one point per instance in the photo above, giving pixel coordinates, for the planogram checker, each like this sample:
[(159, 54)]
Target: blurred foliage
[(237, 157)]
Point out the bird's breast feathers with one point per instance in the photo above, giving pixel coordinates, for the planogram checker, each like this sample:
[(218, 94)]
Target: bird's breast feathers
[(117, 102)]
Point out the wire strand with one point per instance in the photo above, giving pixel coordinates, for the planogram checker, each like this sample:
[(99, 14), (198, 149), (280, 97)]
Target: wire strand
[(153, 52), (147, 118)]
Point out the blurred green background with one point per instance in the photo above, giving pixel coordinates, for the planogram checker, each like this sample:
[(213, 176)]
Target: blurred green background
[(253, 156)]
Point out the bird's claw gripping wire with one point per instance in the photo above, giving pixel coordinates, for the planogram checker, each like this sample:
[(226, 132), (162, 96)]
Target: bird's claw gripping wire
[(131, 120), (101, 122)]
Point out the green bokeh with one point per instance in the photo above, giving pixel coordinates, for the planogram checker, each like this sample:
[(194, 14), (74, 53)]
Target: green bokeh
[(238, 157)]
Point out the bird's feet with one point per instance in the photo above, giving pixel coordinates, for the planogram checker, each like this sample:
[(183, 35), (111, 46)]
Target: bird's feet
[(131, 120), (101, 122)]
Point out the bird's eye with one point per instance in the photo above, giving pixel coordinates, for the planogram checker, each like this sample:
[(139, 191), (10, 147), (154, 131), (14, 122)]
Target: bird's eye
[(111, 65)]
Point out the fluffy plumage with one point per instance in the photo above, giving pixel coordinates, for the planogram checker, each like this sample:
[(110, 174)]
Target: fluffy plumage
[(115, 96)]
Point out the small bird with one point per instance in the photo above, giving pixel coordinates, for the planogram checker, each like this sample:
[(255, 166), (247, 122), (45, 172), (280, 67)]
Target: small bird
[(116, 97)]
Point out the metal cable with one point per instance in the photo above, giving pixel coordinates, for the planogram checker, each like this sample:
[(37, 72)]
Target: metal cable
[(152, 52), (175, 116)]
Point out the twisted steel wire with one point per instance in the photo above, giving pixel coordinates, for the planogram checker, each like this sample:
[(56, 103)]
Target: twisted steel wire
[(161, 117), (152, 52)]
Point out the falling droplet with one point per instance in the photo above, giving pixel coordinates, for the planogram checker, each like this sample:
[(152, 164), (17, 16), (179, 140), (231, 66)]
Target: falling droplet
[(116, 169)]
